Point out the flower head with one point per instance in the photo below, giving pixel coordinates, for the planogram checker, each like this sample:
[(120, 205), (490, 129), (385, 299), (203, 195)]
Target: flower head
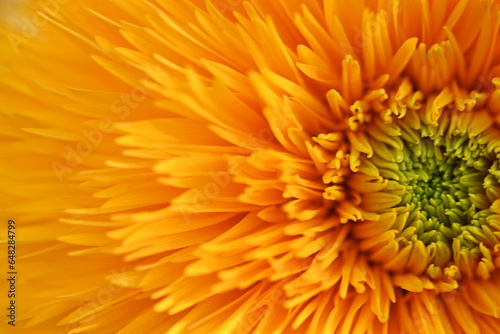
[(295, 166)]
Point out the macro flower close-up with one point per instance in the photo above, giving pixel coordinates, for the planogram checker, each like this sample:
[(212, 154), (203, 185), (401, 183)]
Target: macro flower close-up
[(250, 166)]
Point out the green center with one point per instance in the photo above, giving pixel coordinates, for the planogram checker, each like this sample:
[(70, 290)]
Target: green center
[(450, 184)]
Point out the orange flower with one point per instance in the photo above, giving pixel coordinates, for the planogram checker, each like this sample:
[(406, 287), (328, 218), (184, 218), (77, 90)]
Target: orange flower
[(304, 166)]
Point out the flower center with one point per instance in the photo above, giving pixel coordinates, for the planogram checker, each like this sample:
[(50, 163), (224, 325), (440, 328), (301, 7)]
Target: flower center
[(420, 196), (446, 188), (435, 190)]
